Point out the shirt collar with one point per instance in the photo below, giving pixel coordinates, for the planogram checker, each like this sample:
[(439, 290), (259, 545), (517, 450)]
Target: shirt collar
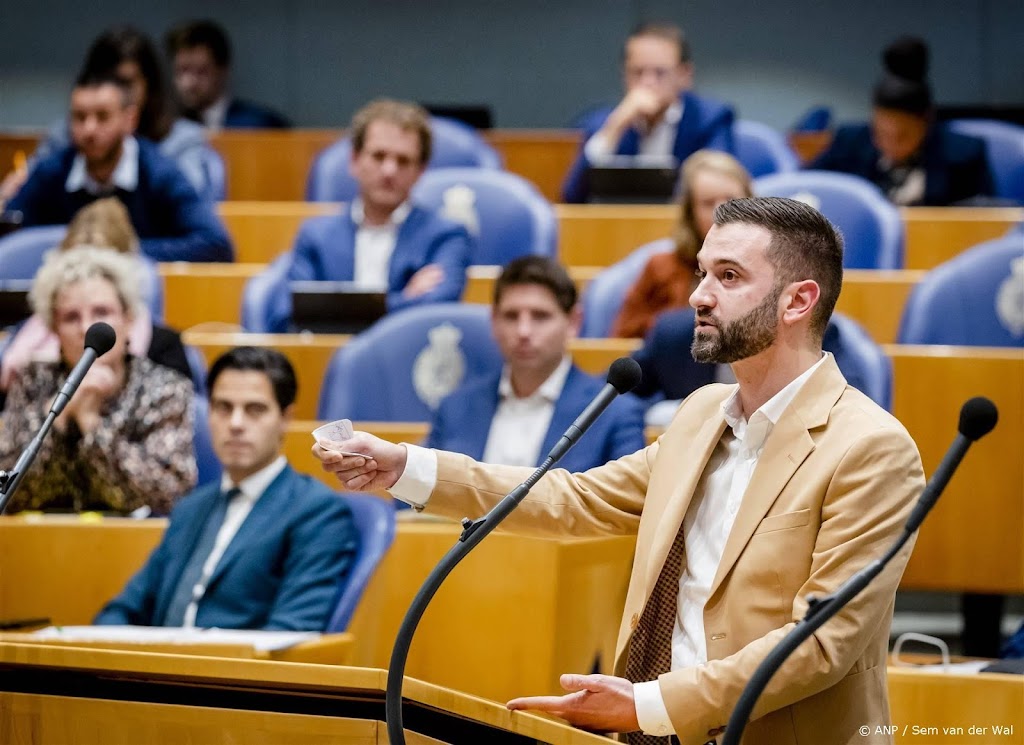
[(394, 220), (753, 433), (673, 113), (549, 390), (253, 486), (124, 177), (214, 116)]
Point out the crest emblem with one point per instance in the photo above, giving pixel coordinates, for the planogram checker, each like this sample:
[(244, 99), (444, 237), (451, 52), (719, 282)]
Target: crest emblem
[(460, 206), (1010, 299), (440, 366)]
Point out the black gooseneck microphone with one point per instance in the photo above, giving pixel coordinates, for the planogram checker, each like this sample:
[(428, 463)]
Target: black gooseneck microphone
[(978, 416), (623, 376), (99, 339)]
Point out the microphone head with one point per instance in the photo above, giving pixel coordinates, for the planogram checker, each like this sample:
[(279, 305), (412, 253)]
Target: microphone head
[(100, 337), (624, 374), (977, 418)]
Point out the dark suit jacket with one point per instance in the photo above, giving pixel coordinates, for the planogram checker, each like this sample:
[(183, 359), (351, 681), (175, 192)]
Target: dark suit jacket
[(669, 370), (243, 114), (955, 165), (705, 123), (325, 250), (173, 222), (463, 420), (282, 570)]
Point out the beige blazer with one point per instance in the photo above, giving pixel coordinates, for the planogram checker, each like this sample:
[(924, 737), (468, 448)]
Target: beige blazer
[(834, 484)]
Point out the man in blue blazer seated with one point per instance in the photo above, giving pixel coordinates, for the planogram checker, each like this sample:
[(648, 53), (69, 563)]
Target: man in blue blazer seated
[(264, 548), (199, 53), (173, 222), (383, 239), (659, 115), (517, 416)]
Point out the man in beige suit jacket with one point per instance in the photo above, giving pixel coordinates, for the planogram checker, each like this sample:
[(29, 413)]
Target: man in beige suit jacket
[(780, 487)]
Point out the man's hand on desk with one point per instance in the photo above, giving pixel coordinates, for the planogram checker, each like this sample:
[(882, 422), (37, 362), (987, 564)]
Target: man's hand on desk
[(599, 703), (364, 462)]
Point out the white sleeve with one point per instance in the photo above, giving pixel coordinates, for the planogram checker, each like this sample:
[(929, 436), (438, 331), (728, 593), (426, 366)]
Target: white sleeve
[(419, 477), (650, 709), (598, 149)]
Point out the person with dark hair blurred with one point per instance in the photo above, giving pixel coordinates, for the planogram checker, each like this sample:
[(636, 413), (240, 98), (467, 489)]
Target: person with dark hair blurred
[(129, 54), (105, 159), (263, 548), (912, 158), (516, 417), (200, 56), (660, 116)]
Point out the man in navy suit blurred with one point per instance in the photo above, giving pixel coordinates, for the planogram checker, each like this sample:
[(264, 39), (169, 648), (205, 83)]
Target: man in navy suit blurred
[(516, 417), (659, 115), (263, 548), (200, 56)]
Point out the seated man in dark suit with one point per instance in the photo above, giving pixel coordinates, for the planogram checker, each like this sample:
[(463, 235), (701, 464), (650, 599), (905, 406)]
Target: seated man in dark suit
[(266, 548), (659, 115), (200, 56), (383, 239), (172, 221), (904, 151), (516, 417)]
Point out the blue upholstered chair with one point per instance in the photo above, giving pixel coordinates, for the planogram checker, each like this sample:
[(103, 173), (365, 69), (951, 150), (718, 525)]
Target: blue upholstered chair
[(860, 359), (1005, 145), (974, 299), (454, 145), (202, 442), (505, 212), (21, 255), (815, 119), (870, 224), (262, 291), (762, 150), (399, 369), (607, 290), (375, 523)]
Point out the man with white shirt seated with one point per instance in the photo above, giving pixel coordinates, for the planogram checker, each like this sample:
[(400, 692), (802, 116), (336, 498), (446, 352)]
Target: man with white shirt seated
[(659, 116), (383, 239), (263, 548), (516, 417)]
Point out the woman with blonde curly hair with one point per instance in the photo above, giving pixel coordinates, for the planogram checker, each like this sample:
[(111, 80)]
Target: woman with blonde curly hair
[(124, 440), (709, 177)]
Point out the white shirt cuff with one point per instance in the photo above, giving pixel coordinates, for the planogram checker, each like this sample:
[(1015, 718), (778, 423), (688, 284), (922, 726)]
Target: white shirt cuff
[(598, 149), (650, 709), (419, 477)]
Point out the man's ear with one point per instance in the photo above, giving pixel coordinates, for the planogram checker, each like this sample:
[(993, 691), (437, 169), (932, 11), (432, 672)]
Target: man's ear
[(131, 113), (801, 298), (575, 321), (288, 414)]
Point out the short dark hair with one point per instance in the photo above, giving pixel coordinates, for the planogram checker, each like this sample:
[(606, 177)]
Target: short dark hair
[(404, 115), (203, 33), (538, 270), (270, 362), (904, 85), (91, 79), (664, 31), (803, 245)]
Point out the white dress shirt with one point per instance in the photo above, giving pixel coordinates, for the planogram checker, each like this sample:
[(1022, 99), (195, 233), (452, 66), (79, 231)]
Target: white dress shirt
[(213, 117), (706, 527), (125, 175), (375, 244), (251, 488), (520, 424), (658, 142)]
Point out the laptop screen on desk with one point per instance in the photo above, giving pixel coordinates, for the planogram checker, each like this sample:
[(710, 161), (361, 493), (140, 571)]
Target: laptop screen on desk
[(335, 307)]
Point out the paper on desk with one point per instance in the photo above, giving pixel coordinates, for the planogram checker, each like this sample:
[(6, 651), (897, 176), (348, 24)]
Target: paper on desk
[(957, 668), (262, 641)]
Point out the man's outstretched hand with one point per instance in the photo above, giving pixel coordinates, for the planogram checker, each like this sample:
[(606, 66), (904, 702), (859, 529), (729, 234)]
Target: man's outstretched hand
[(599, 703)]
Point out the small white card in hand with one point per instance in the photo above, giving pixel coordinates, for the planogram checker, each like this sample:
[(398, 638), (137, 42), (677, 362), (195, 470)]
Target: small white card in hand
[(337, 431)]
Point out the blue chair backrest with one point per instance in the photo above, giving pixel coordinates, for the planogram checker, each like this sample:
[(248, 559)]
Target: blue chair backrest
[(603, 297), (264, 292), (202, 443), (454, 145), (399, 369), (375, 523), (505, 212), (762, 150), (861, 360), (974, 299), (197, 367), (870, 224), (216, 175), (816, 119), (1004, 143), (22, 252)]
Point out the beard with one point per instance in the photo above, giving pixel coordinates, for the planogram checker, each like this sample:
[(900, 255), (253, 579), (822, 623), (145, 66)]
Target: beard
[(748, 335)]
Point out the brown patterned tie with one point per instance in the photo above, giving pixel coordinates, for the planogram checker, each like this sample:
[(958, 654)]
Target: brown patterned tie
[(650, 647)]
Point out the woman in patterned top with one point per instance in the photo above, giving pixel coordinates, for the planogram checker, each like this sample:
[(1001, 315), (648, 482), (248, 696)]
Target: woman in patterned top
[(124, 441)]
